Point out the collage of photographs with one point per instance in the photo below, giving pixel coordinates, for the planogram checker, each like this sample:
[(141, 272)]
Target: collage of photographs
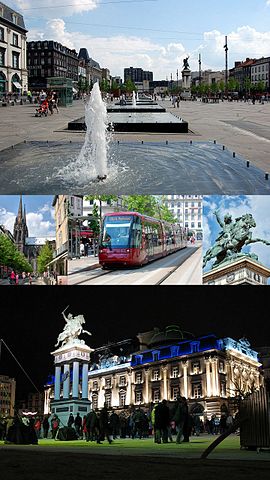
[(134, 162)]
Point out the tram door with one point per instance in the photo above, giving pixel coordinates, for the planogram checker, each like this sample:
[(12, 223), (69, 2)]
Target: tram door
[(149, 245)]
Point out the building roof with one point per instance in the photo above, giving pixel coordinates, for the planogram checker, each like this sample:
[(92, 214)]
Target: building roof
[(8, 16)]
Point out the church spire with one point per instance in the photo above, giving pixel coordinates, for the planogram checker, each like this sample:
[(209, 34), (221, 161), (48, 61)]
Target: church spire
[(20, 211)]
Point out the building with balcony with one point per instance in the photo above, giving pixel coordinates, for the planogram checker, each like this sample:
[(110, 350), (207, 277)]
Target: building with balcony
[(188, 211), (260, 73), (7, 396), (67, 208), (13, 63), (208, 371), (242, 74)]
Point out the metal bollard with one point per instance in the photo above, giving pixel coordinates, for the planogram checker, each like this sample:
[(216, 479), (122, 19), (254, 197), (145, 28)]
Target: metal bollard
[(266, 176), (247, 163)]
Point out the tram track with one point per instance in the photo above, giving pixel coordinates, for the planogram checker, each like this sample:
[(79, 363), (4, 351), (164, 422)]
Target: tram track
[(187, 253)]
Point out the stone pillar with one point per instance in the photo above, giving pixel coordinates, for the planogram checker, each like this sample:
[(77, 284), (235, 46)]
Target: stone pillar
[(146, 386), (185, 378), (208, 378), (129, 395), (165, 383), (214, 377), (66, 384), (85, 381), (75, 382), (57, 383)]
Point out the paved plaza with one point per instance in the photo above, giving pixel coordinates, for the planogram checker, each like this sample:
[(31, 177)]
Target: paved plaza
[(241, 127), (132, 459)]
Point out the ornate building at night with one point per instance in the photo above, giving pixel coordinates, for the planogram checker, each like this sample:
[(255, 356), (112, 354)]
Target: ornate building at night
[(207, 370)]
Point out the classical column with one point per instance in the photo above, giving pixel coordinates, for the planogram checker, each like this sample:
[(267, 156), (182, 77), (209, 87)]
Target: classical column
[(57, 382), (85, 381), (208, 378), (165, 385), (75, 382), (185, 378), (66, 383), (128, 398), (214, 377), (146, 386)]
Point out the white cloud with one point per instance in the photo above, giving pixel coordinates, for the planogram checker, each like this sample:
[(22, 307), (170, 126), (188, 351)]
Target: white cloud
[(7, 219), (38, 227), (60, 7), (118, 51)]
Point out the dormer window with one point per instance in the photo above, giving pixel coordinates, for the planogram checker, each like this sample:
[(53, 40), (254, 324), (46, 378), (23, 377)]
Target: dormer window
[(14, 18), (194, 347), (156, 354)]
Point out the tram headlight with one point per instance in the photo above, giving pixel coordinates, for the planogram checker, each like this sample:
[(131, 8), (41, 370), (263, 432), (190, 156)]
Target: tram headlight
[(127, 250)]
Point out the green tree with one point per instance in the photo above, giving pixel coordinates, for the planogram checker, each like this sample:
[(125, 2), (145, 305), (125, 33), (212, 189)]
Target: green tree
[(221, 86), (145, 204), (247, 85), (214, 88), (260, 87), (233, 85), (45, 256), (94, 223), (130, 86), (11, 257)]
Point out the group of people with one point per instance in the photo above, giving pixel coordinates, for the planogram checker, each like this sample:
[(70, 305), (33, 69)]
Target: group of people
[(48, 102), (14, 278), (160, 421)]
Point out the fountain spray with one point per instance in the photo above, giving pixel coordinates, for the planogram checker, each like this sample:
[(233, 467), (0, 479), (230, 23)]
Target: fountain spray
[(134, 104), (96, 142)]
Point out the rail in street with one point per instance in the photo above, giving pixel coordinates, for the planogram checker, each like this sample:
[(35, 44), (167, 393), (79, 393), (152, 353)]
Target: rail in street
[(181, 268)]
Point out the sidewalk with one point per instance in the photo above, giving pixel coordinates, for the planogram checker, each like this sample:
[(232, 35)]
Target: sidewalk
[(82, 264)]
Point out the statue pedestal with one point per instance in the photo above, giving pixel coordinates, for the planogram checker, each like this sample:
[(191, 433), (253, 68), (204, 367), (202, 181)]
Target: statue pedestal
[(71, 381), (243, 271), (186, 79)]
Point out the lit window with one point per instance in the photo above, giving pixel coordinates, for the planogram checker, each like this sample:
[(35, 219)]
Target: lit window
[(107, 383), (223, 389), (2, 34), (221, 367), (156, 375), (138, 377), (95, 385), (175, 393), (122, 399), (108, 399), (122, 381), (175, 372), (156, 396), (196, 390), (196, 368), (138, 397)]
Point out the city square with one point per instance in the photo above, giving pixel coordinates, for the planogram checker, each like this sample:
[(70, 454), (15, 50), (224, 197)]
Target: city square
[(106, 366)]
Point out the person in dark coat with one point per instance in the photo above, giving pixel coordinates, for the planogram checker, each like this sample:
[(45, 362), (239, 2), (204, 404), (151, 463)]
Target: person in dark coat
[(104, 424), (70, 420), (114, 422), (45, 426), (78, 424), (162, 421), (180, 417)]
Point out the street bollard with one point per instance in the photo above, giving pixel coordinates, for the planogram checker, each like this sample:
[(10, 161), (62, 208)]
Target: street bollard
[(247, 163), (266, 176)]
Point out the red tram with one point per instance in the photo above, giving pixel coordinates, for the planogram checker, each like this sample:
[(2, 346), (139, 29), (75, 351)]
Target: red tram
[(132, 239)]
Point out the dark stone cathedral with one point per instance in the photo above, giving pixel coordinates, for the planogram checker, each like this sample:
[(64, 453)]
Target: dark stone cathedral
[(28, 246)]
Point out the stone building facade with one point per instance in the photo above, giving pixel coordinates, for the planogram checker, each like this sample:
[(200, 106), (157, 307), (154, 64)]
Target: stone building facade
[(208, 371), (13, 66), (7, 395)]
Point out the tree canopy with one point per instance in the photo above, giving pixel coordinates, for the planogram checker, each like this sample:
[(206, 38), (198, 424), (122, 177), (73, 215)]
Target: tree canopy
[(45, 256), (11, 257)]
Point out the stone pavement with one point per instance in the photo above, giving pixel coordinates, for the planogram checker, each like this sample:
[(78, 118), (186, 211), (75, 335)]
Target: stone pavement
[(82, 264), (240, 126)]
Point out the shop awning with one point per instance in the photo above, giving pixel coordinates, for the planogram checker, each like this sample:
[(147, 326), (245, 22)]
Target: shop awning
[(17, 85)]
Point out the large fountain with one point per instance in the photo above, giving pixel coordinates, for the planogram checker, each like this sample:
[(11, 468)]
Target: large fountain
[(137, 167), (95, 146), (134, 103)]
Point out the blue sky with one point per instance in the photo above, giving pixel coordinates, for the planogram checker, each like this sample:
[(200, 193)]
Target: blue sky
[(153, 34), (257, 205), (39, 213)]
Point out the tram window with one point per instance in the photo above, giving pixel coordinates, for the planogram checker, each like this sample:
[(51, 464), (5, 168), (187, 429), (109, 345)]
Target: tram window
[(116, 232)]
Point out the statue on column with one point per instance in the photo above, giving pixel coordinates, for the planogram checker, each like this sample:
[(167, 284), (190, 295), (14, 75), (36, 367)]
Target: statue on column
[(185, 62), (72, 330), (232, 238)]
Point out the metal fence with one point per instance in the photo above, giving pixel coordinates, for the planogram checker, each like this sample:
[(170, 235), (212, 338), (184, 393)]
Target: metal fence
[(255, 427)]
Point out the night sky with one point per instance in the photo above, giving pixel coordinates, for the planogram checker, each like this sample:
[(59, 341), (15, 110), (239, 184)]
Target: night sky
[(31, 319)]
